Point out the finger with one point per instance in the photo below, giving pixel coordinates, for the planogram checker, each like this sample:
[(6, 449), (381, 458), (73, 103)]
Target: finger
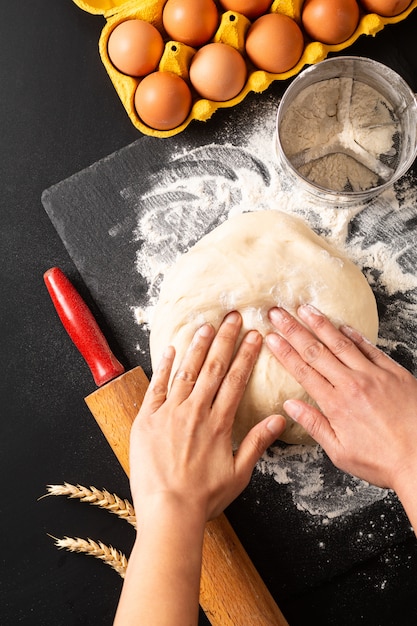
[(330, 361), (340, 344), (191, 364), (369, 350), (233, 386), (218, 359), (313, 421), (157, 391), (258, 439), (307, 376)]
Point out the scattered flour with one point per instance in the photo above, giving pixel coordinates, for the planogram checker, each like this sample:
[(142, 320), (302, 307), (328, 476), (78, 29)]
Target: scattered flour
[(310, 476), (200, 188)]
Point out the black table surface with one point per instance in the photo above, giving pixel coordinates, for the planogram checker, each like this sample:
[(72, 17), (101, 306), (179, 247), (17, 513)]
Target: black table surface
[(59, 114)]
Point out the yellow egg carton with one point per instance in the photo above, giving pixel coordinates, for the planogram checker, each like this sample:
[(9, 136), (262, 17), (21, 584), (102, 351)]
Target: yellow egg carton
[(232, 30)]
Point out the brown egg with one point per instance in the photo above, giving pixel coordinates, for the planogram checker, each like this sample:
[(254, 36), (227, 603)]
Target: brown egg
[(218, 72), (163, 100), (330, 21), (135, 47), (274, 43), (192, 22), (387, 8), (249, 8)]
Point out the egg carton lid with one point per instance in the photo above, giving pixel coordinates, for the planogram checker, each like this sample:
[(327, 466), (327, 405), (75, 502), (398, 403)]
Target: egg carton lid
[(291, 8), (108, 8)]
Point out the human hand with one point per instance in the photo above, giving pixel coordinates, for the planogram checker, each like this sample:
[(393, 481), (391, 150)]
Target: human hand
[(367, 422), (181, 440)]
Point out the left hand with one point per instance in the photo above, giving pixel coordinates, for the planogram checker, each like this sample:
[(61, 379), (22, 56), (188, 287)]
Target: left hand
[(181, 440)]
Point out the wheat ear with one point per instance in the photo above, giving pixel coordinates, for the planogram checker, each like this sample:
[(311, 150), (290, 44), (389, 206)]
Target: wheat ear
[(109, 555), (103, 499)]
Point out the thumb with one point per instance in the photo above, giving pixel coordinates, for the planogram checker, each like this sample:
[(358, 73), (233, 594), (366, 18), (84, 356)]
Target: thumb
[(258, 439), (312, 420)]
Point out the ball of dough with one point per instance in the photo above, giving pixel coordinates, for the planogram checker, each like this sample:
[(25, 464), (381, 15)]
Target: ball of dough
[(251, 263)]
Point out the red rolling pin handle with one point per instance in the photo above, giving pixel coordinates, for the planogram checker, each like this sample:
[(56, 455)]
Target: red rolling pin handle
[(81, 326)]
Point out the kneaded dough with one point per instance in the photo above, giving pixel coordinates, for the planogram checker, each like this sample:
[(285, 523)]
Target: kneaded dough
[(251, 263)]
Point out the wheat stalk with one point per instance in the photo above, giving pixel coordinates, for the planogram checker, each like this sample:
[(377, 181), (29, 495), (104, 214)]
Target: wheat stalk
[(102, 498), (109, 555)]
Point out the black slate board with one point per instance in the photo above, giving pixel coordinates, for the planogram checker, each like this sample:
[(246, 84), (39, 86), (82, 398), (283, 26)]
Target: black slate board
[(298, 540)]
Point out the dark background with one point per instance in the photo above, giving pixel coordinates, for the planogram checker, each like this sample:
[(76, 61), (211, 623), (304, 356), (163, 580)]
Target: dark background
[(58, 114)]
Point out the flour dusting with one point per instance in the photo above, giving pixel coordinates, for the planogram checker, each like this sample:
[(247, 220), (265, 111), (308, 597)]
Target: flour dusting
[(200, 188), (305, 470)]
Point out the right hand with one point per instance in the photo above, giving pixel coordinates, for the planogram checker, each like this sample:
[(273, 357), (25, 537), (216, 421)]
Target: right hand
[(367, 422)]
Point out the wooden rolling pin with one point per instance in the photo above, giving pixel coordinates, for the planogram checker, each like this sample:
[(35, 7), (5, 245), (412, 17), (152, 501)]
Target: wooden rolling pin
[(231, 591)]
